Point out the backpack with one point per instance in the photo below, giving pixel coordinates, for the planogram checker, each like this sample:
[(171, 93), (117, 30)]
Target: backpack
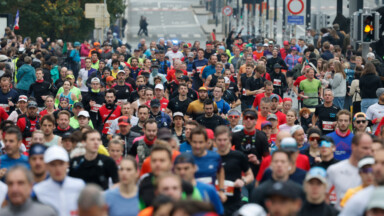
[(143, 151), (27, 130)]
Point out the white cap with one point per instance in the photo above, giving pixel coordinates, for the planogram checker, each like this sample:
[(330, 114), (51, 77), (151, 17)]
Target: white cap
[(95, 79), (226, 80), (365, 161), (159, 86), (370, 55), (120, 71), (55, 153), (178, 114), (83, 113), (251, 209)]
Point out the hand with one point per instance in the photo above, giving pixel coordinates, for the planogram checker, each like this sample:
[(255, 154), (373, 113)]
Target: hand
[(44, 97), (92, 103), (10, 103), (79, 84), (253, 159), (305, 97), (329, 76), (310, 125), (239, 183), (2, 172), (317, 159), (118, 103), (222, 196)]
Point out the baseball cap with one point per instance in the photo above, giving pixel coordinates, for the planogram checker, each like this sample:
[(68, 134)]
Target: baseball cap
[(23, 98), (185, 78), (271, 116), (284, 189), (55, 153), (365, 161), (287, 99), (234, 112), (95, 79), (64, 99), (301, 38), (379, 92), (78, 104), (250, 113), (202, 89), (289, 144), (184, 158), (377, 199), (109, 79), (155, 103), (121, 71), (250, 209), (274, 96), (294, 129), (124, 120), (270, 42), (83, 113), (77, 44), (159, 86), (70, 76), (294, 48), (222, 47), (32, 104), (191, 55), (37, 149), (317, 173), (155, 63), (265, 44), (285, 43), (259, 45), (277, 65), (164, 134), (96, 44), (66, 135), (178, 114), (265, 124)]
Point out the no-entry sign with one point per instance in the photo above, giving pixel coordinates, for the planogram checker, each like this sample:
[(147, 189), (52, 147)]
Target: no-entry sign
[(227, 10), (295, 6)]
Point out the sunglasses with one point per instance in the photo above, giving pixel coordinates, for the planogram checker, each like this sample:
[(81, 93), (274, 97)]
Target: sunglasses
[(361, 121), (233, 117), (325, 144), (249, 117), (366, 170), (314, 138)]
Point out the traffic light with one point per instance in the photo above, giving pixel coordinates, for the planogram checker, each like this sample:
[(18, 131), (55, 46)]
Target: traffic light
[(368, 27), (327, 20)]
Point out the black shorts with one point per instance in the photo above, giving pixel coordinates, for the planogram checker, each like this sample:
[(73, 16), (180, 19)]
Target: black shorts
[(289, 73)]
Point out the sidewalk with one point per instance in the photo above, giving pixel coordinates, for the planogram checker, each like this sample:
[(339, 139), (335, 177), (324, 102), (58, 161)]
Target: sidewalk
[(203, 16)]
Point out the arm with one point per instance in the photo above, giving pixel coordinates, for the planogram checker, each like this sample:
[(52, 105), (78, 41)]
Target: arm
[(208, 81), (314, 119), (220, 178)]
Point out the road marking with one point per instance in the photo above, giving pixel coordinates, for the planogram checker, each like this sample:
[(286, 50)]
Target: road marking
[(160, 35), (184, 35), (135, 36), (197, 35), (172, 35), (159, 9)]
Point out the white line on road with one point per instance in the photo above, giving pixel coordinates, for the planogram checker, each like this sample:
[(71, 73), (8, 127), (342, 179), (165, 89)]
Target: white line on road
[(197, 35), (184, 35), (160, 35), (172, 35)]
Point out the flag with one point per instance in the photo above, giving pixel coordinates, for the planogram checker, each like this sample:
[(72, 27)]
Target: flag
[(16, 26)]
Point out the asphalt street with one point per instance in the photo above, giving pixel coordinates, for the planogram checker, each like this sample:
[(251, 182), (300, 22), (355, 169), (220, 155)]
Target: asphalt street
[(169, 19)]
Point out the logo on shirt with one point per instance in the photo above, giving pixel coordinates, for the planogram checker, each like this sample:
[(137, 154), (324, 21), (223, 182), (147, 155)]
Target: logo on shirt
[(100, 163), (210, 166)]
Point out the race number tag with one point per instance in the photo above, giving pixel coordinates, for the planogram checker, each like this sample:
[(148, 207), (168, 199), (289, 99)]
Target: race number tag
[(95, 108), (229, 187), (328, 126), (276, 82)]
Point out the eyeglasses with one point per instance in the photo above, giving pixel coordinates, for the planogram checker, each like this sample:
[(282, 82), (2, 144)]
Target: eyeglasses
[(366, 170), (249, 117), (233, 117), (361, 121), (314, 138)]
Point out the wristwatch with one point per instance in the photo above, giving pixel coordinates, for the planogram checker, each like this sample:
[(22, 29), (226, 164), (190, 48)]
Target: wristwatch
[(222, 189)]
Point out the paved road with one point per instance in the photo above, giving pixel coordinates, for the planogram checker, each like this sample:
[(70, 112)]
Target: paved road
[(169, 19)]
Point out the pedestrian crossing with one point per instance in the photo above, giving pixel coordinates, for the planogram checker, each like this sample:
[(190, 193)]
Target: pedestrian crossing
[(171, 36)]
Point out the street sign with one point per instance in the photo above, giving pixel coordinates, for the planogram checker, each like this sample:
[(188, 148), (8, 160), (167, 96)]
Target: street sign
[(295, 20), (295, 6), (227, 10)]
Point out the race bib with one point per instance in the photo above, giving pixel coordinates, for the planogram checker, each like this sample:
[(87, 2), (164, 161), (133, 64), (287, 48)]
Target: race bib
[(5, 106), (28, 142), (95, 108), (328, 126), (108, 124), (206, 180), (276, 82), (332, 195), (244, 92), (122, 100), (229, 187), (198, 69)]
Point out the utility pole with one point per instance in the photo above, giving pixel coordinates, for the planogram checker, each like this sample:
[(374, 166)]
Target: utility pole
[(284, 21), (275, 20)]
